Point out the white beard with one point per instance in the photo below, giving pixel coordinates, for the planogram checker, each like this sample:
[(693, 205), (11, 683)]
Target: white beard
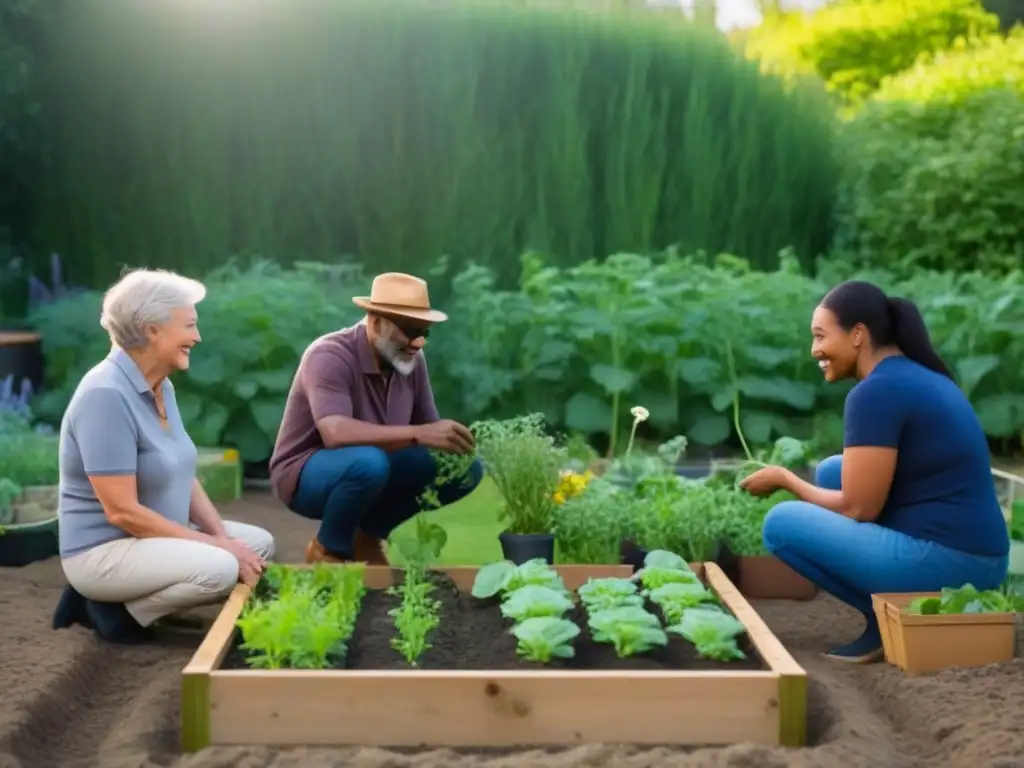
[(391, 352)]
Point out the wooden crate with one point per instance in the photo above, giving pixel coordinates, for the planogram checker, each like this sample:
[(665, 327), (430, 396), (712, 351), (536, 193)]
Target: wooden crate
[(501, 708)]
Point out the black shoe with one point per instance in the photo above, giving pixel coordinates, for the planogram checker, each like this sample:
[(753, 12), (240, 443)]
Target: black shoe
[(71, 610), (114, 624)]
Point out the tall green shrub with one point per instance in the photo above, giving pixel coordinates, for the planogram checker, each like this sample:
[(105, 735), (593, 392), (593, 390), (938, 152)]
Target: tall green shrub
[(854, 45), (935, 163), (398, 130)]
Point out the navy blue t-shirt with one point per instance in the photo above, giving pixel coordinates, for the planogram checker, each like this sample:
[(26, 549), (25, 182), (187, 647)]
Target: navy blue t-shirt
[(942, 490)]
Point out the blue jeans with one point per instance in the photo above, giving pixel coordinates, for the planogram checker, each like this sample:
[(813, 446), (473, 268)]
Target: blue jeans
[(363, 487), (852, 560)]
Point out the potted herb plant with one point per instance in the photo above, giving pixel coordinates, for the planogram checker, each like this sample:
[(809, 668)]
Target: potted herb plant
[(525, 464)]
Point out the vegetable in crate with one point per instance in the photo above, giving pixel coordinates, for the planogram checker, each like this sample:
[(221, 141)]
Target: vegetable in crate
[(968, 599)]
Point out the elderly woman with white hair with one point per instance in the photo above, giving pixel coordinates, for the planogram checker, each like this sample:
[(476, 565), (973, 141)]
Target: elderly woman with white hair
[(139, 537)]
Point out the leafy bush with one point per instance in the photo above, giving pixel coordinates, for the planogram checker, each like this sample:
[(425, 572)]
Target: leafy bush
[(982, 64), (484, 129), (936, 184), (580, 345), (853, 45)]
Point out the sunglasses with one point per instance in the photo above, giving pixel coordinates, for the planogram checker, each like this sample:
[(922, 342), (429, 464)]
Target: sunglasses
[(411, 332)]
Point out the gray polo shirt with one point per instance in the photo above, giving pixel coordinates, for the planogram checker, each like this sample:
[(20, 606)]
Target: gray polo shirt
[(111, 427)]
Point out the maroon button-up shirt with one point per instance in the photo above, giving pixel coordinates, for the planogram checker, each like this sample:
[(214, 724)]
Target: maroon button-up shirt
[(338, 375)]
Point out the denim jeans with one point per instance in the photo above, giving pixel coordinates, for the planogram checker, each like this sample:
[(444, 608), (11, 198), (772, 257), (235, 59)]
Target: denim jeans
[(366, 488), (852, 560)]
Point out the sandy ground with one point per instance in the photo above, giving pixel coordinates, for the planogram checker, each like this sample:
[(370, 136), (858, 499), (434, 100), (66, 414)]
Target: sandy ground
[(69, 701)]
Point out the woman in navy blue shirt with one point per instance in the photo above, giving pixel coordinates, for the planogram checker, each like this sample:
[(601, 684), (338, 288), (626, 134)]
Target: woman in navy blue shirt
[(910, 505)]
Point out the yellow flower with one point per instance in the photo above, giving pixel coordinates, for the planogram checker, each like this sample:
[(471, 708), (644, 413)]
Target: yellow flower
[(231, 455), (559, 498)]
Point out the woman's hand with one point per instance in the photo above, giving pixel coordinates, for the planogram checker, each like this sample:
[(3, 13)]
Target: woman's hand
[(764, 481), (250, 565)]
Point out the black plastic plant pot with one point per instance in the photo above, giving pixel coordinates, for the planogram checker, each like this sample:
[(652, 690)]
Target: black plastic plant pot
[(520, 547), (631, 554), (23, 545)]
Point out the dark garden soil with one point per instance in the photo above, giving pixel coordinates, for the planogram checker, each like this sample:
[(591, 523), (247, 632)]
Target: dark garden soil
[(473, 634), (71, 702)]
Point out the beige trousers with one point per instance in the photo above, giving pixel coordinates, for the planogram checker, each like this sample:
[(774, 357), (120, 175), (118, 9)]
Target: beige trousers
[(157, 577)]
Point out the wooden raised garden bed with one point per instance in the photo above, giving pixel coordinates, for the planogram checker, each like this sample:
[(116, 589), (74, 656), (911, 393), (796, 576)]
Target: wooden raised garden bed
[(471, 690)]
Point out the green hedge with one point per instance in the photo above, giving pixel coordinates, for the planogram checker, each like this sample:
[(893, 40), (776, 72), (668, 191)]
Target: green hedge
[(582, 345), (934, 163), (854, 45), (401, 130)]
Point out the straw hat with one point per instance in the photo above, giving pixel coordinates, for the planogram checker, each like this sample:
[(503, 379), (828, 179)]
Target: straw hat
[(400, 295)]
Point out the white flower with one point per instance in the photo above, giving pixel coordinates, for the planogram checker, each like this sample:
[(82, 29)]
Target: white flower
[(639, 413)]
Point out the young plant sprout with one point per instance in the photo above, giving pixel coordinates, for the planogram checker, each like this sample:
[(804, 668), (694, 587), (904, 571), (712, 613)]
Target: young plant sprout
[(661, 568), (309, 621), (504, 576), (601, 594), (630, 629), (544, 638), (713, 633), (533, 601), (676, 598)]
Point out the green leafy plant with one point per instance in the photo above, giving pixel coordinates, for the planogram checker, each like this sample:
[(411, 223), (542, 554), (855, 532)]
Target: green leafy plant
[(676, 598), (713, 633), (525, 465), (589, 528), (544, 638), (967, 599), (533, 601), (301, 618), (504, 577), (416, 616), (630, 629), (661, 568), (600, 594)]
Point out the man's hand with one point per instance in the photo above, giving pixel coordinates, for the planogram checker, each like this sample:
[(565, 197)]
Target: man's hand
[(446, 435), (250, 565)]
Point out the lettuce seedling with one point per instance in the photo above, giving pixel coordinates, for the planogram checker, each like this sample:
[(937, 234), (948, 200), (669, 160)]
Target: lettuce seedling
[(601, 594), (631, 630), (712, 632), (675, 598), (543, 638), (967, 599), (533, 601), (505, 576), (305, 619), (662, 558)]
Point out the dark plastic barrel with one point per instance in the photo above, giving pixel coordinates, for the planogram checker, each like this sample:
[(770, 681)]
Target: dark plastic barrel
[(21, 356)]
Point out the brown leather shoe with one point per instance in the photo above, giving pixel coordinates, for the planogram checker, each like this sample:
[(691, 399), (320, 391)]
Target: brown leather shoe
[(368, 549), (315, 553)]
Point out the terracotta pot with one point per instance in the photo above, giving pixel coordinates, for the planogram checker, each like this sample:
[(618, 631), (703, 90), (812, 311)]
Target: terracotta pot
[(766, 577)]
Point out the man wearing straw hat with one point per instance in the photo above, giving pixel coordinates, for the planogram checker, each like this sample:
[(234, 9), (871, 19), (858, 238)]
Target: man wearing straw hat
[(353, 447)]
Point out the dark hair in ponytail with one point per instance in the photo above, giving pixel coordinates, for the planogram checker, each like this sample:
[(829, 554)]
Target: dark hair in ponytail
[(890, 321)]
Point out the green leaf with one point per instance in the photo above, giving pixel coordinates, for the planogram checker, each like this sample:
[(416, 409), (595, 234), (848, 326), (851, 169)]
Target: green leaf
[(588, 413), (207, 369), (209, 427), (710, 429), (614, 380), (796, 394), (1001, 415), (273, 382), (757, 425), (267, 413), (971, 370), (699, 371)]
